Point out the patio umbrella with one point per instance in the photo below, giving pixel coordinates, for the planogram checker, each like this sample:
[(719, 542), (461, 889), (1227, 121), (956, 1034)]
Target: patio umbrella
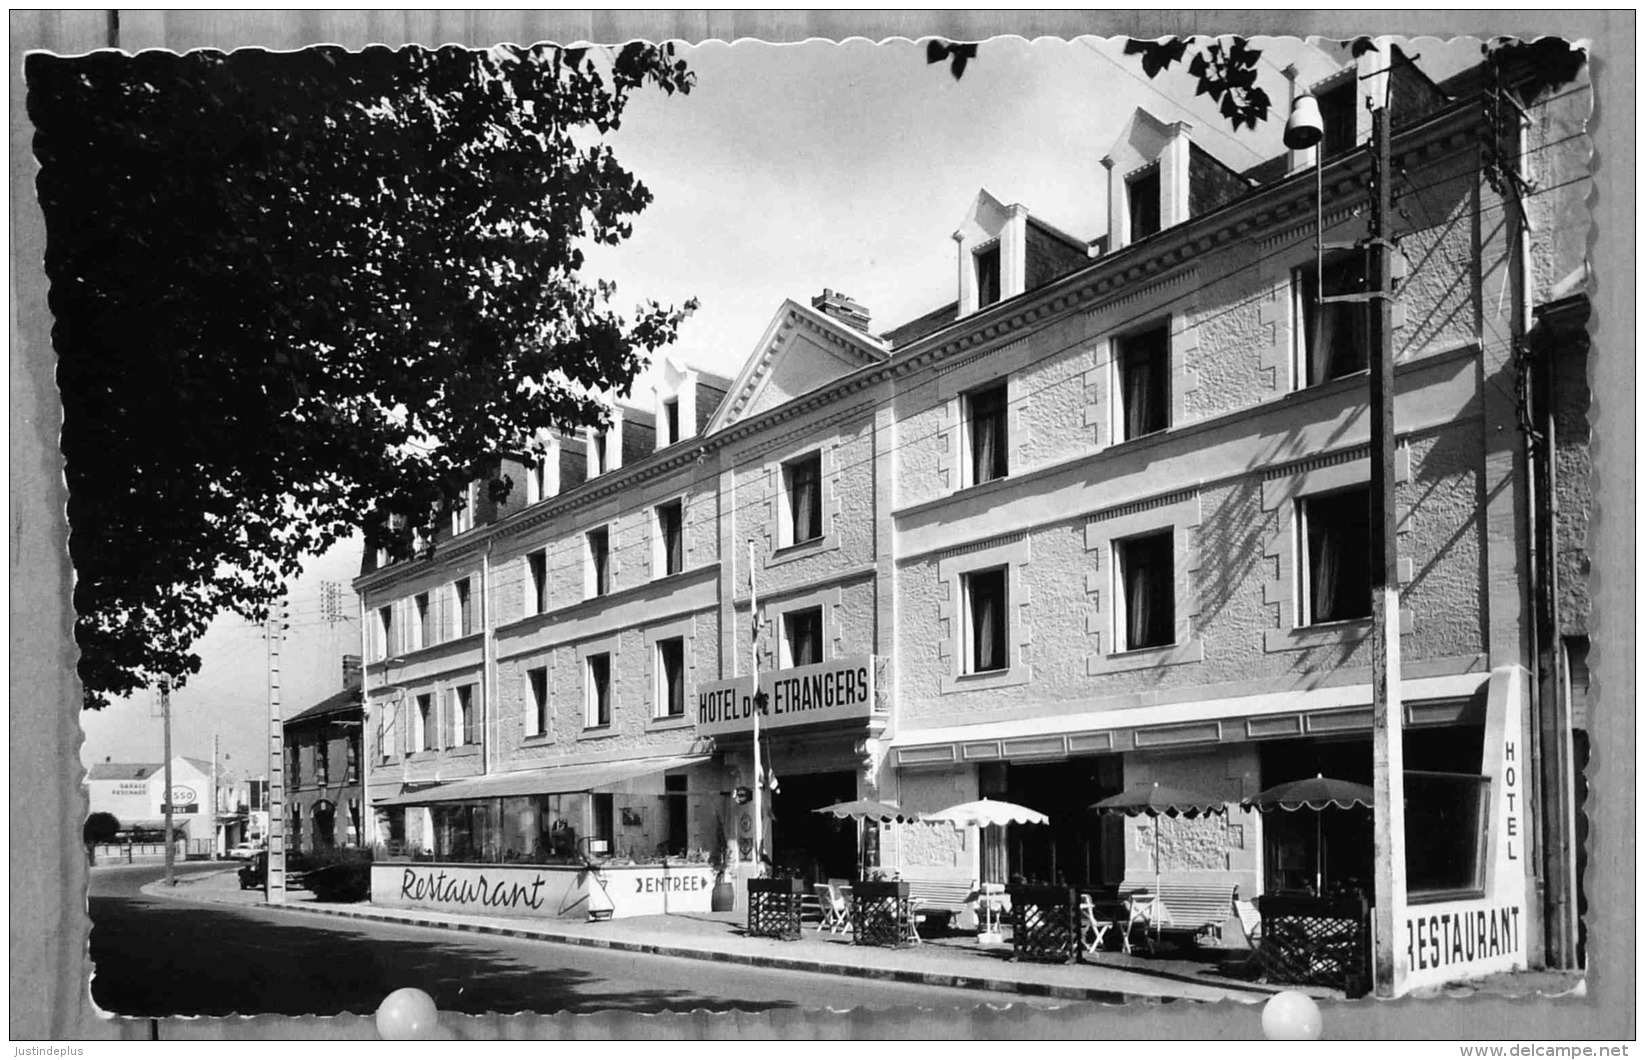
[(1156, 800), (1317, 793), (861, 810), (985, 812)]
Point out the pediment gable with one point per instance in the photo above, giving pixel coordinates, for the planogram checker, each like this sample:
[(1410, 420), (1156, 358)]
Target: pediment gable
[(801, 351)]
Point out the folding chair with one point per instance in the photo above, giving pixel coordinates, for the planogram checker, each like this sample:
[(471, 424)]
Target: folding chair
[(835, 914), (1095, 930)]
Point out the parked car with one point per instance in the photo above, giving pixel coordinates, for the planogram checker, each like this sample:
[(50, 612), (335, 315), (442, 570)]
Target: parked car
[(244, 851), (254, 873)]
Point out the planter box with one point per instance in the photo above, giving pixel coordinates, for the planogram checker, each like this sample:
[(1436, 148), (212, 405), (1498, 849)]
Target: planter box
[(881, 913), (776, 885), (875, 889), (774, 907)]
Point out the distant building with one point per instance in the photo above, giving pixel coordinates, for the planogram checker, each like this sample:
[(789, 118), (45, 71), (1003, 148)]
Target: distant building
[(135, 793), (324, 798)]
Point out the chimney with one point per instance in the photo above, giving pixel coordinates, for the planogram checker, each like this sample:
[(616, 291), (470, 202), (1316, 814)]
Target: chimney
[(351, 671), (841, 308)]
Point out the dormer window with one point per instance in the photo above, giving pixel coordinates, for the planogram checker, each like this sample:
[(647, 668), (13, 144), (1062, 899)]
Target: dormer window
[(1336, 110), (1142, 194), (988, 275)]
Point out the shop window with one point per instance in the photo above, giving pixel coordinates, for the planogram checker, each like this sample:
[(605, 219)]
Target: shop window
[(670, 538), (537, 565), (424, 629), (537, 708), (385, 632), (1445, 829), (423, 736), (802, 484), (605, 822), (1336, 336), (1145, 382), (803, 637), (462, 608), (671, 678), (1336, 574), (988, 275), (985, 615), (1142, 193), (598, 553), (1146, 595), (985, 434), (675, 794), (598, 690)]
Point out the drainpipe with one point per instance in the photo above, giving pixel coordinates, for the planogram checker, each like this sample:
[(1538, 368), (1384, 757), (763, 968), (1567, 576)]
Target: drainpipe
[(488, 661), (368, 816)]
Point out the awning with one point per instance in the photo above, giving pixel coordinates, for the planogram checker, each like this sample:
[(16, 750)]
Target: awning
[(179, 822), (557, 780)]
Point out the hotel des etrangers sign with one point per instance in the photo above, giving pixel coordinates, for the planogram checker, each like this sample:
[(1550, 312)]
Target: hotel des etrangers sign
[(837, 690)]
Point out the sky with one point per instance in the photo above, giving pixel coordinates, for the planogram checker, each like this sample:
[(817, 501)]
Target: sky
[(787, 169)]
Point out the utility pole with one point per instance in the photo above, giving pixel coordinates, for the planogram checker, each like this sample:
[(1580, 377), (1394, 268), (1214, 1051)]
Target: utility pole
[(274, 880), (165, 715), (216, 825), (1387, 752), (754, 702)]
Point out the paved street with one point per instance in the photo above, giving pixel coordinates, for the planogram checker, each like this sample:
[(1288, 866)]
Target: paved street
[(167, 956)]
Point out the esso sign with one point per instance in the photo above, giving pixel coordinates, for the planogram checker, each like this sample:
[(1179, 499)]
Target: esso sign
[(182, 796)]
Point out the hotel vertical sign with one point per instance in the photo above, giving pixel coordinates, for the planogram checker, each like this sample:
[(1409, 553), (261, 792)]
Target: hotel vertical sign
[(837, 690)]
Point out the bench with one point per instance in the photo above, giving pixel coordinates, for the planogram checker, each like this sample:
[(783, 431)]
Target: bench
[(945, 897), (1189, 908)]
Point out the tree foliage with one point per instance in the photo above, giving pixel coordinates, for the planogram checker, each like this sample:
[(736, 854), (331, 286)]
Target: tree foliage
[(100, 827), (1227, 74), (299, 295)]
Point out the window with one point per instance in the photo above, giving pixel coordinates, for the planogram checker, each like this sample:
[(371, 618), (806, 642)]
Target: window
[(598, 690), (294, 766), (462, 513), (671, 538), (1146, 593), (1336, 554), (802, 481), (599, 561), (537, 564), (1335, 338), (1145, 383), (671, 678), (1445, 832), (385, 632), (322, 764), (597, 454), (605, 819), (352, 768), (425, 623), (296, 829), (1336, 110), (985, 621), (423, 734), (671, 421), (988, 276), (985, 434), (462, 611), (1142, 197), (536, 721), (802, 636), (536, 481)]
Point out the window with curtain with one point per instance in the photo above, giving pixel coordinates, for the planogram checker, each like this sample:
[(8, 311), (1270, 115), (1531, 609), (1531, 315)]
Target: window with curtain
[(599, 567), (352, 767), (425, 723), (462, 518), (1336, 534), (671, 678), (470, 716), (802, 479), (985, 598), (1336, 336), (537, 719), (1145, 382), (322, 763), (802, 630), (1142, 195), (464, 607), (671, 536), (985, 412), (385, 632), (988, 276), (1147, 592), (599, 690), (425, 622)]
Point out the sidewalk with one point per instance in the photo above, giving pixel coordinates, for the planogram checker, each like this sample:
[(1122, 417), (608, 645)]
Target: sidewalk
[(957, 961)]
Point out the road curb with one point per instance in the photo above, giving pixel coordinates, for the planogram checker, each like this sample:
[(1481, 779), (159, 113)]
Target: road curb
[(981, 984)]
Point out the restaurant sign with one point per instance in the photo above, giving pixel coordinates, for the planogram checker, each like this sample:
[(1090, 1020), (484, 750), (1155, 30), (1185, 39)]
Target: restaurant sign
[(838, 690)]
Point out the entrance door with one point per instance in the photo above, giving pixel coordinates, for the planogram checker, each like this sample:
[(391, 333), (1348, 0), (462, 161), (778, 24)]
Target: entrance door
[(817, 846), (1077, 847)]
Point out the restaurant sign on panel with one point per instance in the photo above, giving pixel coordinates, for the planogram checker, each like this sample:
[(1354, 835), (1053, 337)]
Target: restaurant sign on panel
[(838, 690)]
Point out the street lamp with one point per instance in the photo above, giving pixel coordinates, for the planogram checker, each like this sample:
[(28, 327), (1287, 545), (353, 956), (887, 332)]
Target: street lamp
[(1304, 129)]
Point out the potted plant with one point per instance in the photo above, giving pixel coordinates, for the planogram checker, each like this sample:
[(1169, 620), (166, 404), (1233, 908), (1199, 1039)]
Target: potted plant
[(724, 896)]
